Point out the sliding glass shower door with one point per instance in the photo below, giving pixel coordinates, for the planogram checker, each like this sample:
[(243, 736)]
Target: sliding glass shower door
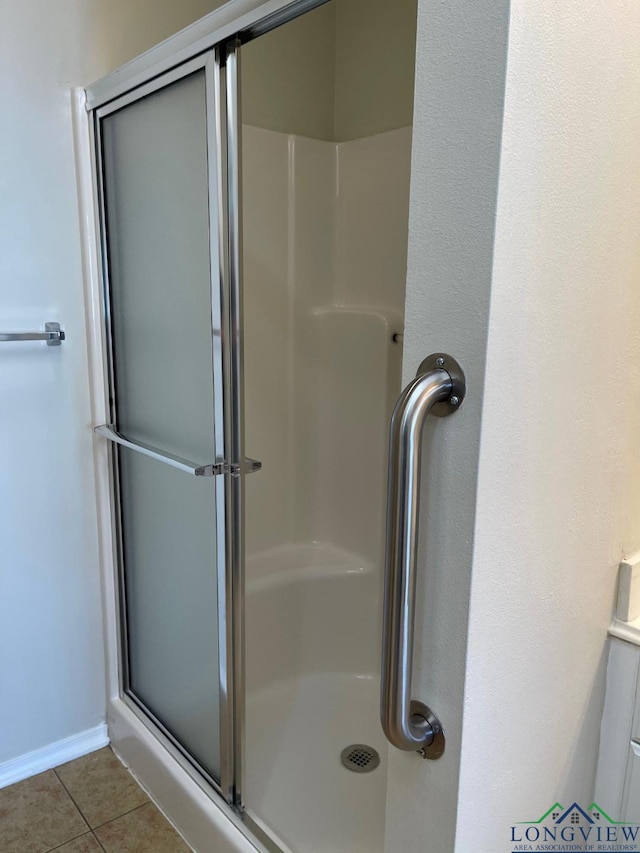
[(254, 267), (159, 171)]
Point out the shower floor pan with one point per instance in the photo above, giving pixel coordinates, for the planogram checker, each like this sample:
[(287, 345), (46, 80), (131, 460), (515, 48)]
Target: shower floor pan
[(313, 623)]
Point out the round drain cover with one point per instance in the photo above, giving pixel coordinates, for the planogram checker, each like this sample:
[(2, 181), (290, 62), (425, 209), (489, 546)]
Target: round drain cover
[(360, 758)]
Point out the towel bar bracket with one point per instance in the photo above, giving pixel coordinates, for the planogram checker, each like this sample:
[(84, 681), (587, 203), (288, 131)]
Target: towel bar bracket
[(53, 335)]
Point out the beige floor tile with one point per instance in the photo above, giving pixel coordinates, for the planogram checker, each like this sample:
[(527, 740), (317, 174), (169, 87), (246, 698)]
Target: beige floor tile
[(144, 830), (101, 787), (37, 815), (84, 844)]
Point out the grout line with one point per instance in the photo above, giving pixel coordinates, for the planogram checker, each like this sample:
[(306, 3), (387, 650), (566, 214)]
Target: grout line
[(68, 841), (98, 842), (124, 814), (92, 828), (79, 810)]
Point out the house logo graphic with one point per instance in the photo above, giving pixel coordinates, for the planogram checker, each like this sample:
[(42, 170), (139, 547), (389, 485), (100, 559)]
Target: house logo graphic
[(575, 828)]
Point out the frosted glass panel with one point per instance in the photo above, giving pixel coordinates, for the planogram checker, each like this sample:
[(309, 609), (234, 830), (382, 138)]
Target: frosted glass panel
[(156, 178), (170, 579), (157, 223)]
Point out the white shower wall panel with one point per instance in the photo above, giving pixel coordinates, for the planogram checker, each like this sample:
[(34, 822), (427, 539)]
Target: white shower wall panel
[(372, 220), (268, 329), (312, 217), (355, 381), (325, 237)]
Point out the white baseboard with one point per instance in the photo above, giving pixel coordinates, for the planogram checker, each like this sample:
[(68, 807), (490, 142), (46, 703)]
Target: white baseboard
[(50, 756)]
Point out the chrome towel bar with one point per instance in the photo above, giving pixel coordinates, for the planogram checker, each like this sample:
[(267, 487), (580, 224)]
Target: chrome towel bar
[(215, 469), (52, 334), (109, 432), (438, 388)]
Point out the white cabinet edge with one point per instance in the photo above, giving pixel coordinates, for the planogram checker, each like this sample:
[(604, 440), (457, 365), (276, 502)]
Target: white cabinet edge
[(616, 726), (628, 608), (627, 631)]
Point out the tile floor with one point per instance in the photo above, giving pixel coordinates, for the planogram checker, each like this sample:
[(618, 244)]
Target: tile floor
[(89, 805)]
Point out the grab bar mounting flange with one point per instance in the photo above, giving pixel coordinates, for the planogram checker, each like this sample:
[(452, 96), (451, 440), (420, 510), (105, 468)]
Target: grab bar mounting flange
[(442, 361)]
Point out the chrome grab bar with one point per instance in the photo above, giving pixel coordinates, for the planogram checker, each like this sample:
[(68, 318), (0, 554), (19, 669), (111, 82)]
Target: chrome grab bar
[(109, 432), (52, 334), (438, 388)]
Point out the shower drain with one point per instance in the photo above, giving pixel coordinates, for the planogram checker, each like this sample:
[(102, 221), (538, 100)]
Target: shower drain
[(360, 758)]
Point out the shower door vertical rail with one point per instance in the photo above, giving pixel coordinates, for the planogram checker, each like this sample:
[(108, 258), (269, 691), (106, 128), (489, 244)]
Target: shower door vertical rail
[(228, 486), (227, 448), (230, 54)]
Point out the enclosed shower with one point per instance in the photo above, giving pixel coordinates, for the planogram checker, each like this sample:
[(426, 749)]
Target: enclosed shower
[(253, 197), (324, 264)]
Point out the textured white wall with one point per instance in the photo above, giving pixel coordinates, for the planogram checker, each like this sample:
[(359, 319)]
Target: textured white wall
[(341, 72), (288, 76), (374, 66), (559, 483), (460, 69), (51, 665), (118, 30), (51, 647)]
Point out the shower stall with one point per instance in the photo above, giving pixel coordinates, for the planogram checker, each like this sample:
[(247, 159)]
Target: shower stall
[(322, 357), (248, 329)]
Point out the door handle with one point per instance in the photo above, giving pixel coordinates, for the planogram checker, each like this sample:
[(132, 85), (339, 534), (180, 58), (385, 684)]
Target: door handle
[(216, 469), (439, 388)]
